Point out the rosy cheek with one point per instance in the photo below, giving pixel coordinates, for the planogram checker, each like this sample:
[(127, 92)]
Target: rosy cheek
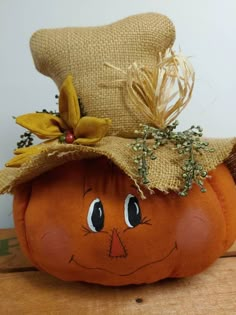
[(53, 244), (193, 230)]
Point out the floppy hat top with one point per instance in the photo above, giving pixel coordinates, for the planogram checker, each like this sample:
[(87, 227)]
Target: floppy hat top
[(112, 69)]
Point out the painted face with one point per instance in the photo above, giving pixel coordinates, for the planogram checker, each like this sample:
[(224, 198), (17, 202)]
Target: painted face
[(86, 221)]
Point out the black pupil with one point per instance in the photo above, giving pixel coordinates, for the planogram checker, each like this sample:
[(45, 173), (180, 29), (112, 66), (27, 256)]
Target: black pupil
[(98, 216), (134, 213)]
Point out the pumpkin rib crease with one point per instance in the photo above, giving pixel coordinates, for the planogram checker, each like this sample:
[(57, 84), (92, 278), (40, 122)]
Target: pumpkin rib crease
[(221, 199)]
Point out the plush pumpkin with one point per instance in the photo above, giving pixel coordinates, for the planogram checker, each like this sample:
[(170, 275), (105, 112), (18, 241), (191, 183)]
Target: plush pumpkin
[(85, 221), (78, 196)]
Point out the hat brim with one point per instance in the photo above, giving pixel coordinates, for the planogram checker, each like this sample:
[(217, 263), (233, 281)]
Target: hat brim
[(165, 172)]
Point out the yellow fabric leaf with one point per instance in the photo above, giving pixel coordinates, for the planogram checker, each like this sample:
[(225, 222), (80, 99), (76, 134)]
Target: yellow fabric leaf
[(43, 125), (86, 141), (23, 155), (68, 103), (18, 160), (91, 129)]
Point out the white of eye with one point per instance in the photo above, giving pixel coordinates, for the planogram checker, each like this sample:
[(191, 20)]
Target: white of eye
[(90, 213), (126, 214)]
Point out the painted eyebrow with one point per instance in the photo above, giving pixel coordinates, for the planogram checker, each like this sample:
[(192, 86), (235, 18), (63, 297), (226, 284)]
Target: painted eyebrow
[(87, 191)]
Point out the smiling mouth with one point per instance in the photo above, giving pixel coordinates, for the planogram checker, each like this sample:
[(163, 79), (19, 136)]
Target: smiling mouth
[(72, 259)]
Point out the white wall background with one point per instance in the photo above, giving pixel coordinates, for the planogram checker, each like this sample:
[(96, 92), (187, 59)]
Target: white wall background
[(206, 30)]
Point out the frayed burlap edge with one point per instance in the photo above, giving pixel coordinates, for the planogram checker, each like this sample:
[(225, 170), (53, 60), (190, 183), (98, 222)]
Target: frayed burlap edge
[(230, 162), (165, 172)]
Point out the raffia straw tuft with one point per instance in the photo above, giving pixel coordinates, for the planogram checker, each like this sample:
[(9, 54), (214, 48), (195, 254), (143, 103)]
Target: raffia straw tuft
[(160, 94)]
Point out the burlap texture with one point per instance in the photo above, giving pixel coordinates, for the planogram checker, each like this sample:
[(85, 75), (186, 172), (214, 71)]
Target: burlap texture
[(231, 163), (83, 51), (165, 172)]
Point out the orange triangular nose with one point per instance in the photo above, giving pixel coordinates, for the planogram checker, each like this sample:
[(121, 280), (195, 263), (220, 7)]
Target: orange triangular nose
[(117, 249)]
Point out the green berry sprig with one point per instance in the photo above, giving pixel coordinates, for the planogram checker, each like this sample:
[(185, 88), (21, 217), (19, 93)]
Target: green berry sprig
[(188, 144), (81, 106), (26, 140), (51, 112)]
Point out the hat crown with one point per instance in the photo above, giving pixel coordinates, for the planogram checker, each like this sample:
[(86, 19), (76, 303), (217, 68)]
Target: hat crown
[(82, 52)]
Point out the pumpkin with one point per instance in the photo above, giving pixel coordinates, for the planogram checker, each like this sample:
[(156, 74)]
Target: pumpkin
[(85, 221)]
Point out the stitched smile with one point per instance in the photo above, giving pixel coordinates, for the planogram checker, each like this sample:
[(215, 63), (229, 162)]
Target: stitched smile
[(72, 259)]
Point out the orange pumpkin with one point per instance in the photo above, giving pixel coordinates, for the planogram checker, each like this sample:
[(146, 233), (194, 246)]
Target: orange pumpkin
[(85, 221)]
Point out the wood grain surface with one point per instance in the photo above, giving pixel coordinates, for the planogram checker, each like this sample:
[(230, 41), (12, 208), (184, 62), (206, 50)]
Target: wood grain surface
[(11, 256), (210, 293)]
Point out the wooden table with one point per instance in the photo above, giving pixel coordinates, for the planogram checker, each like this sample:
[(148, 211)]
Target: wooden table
[(24, 290)]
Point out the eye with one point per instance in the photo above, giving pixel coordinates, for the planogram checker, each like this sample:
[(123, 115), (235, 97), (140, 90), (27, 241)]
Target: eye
[(133, 214), (95, 217)]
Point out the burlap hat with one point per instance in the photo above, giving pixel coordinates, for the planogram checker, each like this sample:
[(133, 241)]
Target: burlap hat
[(124, 74)]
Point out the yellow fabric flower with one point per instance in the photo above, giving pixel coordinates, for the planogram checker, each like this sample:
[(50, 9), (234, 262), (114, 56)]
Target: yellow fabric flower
[(22, 155), (79, 130)]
